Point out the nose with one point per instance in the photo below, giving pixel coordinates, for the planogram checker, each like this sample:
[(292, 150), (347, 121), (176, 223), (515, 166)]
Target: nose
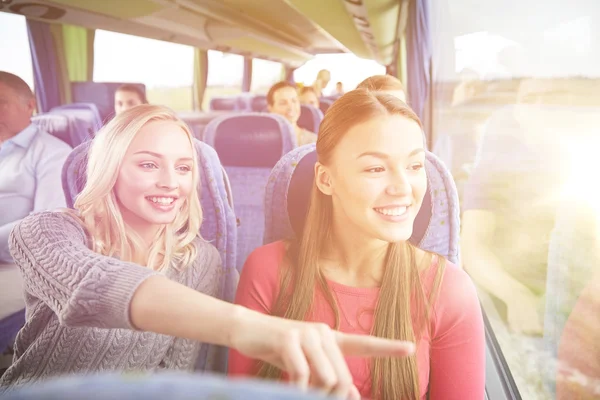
[(399, 185), (167, 179)]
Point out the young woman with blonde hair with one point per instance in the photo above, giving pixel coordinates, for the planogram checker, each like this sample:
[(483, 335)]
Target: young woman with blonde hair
[(354, 269), (124, 282)]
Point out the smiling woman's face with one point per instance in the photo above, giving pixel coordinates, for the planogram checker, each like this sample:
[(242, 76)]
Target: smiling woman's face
[(156, 177), (377, 178)]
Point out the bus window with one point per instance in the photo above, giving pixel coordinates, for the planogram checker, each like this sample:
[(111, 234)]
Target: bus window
[(16, 57), (515, 118), (264, 75), (225, 75), (165, 68), (337, 65)]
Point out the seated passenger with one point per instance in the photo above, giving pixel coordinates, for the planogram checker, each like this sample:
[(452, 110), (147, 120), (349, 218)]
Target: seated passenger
[(283, 99), (384, 83), (339, 89), (309, 96), (354, 270), (128, 96), (31, 162), (129, 259)]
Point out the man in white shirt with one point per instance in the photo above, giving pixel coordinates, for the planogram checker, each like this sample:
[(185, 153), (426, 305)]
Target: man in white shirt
[(31, 163)]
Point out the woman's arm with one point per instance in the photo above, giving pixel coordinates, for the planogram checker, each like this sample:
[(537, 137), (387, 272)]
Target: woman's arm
[(457, 356), (83, 288)]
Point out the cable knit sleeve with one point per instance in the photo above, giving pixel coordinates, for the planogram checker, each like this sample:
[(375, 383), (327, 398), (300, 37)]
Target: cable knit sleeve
[(83, 288)]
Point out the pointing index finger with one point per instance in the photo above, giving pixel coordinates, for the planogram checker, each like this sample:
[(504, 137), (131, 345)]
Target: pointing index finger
[(371, 346)]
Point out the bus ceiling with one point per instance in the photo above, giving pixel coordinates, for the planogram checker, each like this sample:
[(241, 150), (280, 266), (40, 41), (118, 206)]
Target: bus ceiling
[(288, 31)]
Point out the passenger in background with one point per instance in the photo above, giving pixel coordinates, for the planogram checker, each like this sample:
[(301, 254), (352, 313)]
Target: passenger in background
[(31, 163), (309, 97), (384, 83), (354, 269), (323, 78), (128, 96), (107, 282), (283, 99), (339, 89)]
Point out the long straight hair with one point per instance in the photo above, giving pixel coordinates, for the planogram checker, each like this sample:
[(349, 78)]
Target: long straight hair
[(98, 207), (403, 308)]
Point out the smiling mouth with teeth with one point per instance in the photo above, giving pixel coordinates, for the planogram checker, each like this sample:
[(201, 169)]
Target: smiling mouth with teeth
[(162, 200), (392, 212)]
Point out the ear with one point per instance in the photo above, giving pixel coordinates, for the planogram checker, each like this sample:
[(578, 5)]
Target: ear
[(31, 103), (323, 179), (269, 108)]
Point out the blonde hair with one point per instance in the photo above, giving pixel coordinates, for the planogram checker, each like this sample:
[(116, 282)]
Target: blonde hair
[(321, 82), (392, 378), (97, 204)]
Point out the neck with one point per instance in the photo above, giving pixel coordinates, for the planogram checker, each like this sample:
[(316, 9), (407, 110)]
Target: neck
[(356, 255), (5, 136)]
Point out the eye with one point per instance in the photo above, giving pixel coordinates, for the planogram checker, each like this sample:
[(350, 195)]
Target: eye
[(375, 169), (148, 165), (416, 166), (184, 168)]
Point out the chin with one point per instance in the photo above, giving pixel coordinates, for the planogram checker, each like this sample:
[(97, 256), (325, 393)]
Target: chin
[(399, 235)]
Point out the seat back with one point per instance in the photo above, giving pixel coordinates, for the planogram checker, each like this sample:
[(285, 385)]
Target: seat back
[(93, 114), (57, 125), (102, 94), (171, 385), (218, 224), (9, 327), (83, 121), (249, 145), (324, 104), (197, 120), (310, 118), (287, 199), (230, 103), (245, 101), (258, 103)]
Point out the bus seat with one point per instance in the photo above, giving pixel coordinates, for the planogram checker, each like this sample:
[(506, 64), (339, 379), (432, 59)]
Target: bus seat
[(197, 120), (259, 103), (310, 118), (93, 114), (9, 327), (249, 145), (102, 94), (245, 101), (83, 123), (436, 226), (170, 385), (218, 224), (224, 104), (57, 125), (324, 105)]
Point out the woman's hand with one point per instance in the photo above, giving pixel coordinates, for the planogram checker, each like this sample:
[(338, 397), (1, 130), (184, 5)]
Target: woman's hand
[(311, 354)]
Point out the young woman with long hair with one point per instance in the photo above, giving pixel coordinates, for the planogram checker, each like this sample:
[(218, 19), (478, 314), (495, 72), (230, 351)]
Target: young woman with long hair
[(354, 270)]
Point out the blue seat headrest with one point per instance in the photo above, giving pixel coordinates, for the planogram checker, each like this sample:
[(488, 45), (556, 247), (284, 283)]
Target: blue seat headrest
[(57, 125), (250, 140), (258, 103), (310, 118)]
